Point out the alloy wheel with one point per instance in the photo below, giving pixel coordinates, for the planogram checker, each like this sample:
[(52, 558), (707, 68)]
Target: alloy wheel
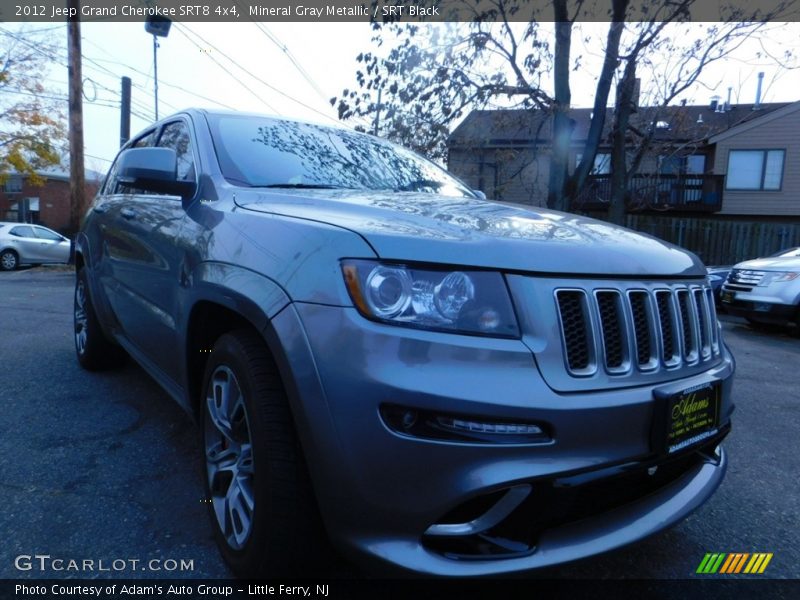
[(8, 261), (81, 318), (229, 457)]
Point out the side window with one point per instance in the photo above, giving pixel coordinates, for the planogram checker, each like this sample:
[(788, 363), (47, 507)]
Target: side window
[(146, 141), (44, 234), (111, 184), (176, 136), (110, 181), (23, 231)]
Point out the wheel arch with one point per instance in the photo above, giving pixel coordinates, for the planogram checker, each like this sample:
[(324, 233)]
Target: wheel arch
[(224, 298), (13, 251)]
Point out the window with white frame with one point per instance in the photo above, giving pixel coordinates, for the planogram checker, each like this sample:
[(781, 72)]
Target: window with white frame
[(755, 169)]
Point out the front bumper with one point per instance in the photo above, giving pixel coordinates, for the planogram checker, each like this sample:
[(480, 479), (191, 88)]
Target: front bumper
[(774, 303), (767, 312), (380, 491)]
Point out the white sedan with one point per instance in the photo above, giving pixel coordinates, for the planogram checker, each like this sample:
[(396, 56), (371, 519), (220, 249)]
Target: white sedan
[(22, 243)]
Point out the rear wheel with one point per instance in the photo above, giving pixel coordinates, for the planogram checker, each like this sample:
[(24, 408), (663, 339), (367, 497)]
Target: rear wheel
[(761, 325), (262, 506), (8, 260), (94, 351)]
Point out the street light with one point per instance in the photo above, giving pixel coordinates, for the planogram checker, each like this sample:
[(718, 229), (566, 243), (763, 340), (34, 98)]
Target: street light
[(159, 26)]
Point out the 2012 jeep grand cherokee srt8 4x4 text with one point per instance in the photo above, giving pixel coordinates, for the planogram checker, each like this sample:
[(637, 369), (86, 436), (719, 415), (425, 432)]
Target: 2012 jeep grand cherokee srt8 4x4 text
[(380, 358)]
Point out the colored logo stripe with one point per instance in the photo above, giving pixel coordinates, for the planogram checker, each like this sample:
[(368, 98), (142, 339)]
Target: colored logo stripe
[(758, 563), (711, 563), (734, 562)]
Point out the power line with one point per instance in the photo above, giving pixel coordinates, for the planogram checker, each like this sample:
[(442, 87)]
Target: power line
[(162, 82), (103, 102), (98, 157), (270, 86), (285, 49), (98, 68), (180, 29)]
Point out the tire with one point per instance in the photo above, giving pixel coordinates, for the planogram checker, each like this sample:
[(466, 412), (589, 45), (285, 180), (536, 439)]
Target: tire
[(95, 352), (761, 325), (9, 260), (261, 502)]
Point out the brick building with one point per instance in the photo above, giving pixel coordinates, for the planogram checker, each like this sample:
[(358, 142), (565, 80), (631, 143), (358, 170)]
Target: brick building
[(46, 204)]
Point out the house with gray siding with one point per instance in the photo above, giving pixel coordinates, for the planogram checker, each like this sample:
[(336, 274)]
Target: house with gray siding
[(760, 161), (711, 159)]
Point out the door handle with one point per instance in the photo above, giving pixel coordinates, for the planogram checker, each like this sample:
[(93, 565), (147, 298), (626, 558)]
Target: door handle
[(127, 213)]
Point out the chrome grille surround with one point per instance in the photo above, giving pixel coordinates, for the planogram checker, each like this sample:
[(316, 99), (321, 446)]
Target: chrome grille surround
[(657, 328), (743, 280)]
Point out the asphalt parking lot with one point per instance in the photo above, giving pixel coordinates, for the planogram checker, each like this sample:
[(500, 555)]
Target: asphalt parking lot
[(104, 466)]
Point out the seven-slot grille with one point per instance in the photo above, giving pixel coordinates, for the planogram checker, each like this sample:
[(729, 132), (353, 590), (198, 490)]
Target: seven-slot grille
[(743, 280), (635, 329)]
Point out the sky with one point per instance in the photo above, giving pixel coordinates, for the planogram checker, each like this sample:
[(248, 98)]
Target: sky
[(293, 69)]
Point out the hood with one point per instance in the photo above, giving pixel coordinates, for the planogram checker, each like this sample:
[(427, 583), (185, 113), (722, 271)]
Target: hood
[(471, 232), (791, 263)]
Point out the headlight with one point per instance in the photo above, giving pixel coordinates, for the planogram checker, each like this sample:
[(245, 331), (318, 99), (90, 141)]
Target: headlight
[(778, 276), (475, 302)]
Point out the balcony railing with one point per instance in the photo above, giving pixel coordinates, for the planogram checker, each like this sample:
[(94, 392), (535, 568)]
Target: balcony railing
[(656, 192)]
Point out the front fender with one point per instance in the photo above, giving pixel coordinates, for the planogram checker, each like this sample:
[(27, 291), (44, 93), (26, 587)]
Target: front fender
[(253, 296)]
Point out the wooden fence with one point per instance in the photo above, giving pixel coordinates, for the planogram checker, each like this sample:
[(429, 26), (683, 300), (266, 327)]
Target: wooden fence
[(719, 242)]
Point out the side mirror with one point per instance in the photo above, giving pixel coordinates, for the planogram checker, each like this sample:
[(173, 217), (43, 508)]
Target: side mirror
[(153, 170), (479, 194)]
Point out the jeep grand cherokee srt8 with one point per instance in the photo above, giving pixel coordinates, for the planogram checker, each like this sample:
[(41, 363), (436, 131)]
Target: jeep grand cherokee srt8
[(379, 357)]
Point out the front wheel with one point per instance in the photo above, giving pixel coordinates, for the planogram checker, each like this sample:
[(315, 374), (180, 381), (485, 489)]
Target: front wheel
[(262, 506), (8, 260)]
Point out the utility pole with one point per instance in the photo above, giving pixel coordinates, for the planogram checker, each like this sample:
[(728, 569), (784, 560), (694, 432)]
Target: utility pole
[(77, 188), (155, 72), (158, 26), (125, 114)]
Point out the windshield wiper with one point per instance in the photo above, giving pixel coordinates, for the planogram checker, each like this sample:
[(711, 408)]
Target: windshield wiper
[(304, 186), (419, 185)]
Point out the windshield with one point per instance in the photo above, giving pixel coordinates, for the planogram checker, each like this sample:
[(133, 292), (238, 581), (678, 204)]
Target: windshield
[(264, 152), (786, 253)]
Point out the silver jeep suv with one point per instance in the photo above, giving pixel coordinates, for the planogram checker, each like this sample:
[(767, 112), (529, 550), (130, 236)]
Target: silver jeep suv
[(379, 358)]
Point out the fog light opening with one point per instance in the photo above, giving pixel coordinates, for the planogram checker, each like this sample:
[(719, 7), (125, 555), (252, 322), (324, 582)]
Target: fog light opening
[(485, 535)]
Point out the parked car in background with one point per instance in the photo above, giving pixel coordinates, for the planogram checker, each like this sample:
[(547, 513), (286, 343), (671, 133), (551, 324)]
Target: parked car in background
[(765, 291), (787, 253), (23, 243), (716, 277), (374, 353)]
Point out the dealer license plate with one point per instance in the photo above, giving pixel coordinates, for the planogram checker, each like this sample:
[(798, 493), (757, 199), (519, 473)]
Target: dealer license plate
[(692, 416)]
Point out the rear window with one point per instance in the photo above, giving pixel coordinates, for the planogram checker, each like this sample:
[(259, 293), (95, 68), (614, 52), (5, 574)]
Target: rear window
[(264, 152), (22, 231)]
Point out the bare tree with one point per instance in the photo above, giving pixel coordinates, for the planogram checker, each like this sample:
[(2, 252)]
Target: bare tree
[(680, 67), (432, 76)]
